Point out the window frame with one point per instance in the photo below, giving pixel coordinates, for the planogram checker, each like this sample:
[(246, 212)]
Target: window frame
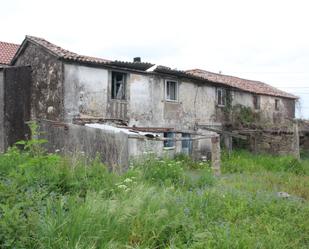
[(112, 96), (169, 143), (223, 96), (257, 102), (277, 104), (186, 145), (176, 91)]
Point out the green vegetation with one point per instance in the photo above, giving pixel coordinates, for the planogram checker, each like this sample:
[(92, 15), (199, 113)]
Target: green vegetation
[(47, 201)]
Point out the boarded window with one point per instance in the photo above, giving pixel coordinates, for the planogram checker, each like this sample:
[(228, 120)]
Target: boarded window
[(118, 85), (171, 90), (277, 104), (256, 102), (221, 96), (169, 143)]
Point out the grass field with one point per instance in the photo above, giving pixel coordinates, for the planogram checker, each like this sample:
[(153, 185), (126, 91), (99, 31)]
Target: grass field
[(51, 202)]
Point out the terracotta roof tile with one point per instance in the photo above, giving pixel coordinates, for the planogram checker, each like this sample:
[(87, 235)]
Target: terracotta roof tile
[(7, 52), (71, 56), (242, 84), (65, 54)]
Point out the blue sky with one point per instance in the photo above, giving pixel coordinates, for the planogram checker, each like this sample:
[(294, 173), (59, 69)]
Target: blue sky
[(259, 40)]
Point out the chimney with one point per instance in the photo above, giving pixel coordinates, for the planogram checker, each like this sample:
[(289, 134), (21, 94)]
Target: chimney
[(137, 59)]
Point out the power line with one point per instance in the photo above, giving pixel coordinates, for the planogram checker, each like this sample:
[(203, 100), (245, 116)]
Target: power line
[(275, 72)]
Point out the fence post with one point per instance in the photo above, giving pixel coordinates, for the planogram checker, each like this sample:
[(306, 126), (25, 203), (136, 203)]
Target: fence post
[(215, 155)]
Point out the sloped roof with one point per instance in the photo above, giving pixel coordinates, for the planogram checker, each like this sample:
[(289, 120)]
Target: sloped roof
[(242, 84), (63, 53), (74, 57), (7, 52)]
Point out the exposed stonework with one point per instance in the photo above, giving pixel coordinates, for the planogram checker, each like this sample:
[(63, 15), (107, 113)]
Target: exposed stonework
[(304, 135), (47, 82), (276, 141)]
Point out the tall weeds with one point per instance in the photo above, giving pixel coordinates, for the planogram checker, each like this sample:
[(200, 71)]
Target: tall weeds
[(47, 201)]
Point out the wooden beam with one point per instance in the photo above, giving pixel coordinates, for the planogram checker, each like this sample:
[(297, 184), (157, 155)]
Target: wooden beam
[(142, 137), (232, 134)]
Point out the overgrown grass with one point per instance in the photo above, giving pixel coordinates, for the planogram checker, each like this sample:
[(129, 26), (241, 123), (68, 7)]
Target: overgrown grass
[(47, 201), (244, 161)]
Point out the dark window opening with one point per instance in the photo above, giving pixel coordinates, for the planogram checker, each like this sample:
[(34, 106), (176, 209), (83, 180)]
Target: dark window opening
[(277, 104), (171, 90), (118, 85), (256, 102), (221, 97), (169, 143), (187, 143)]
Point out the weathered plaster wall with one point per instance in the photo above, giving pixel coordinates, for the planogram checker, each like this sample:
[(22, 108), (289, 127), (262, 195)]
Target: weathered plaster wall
[(267, 114), (270, 115), (145, 107), (2, 142), (47, 78), (242, 98), (198, 104), (148, 106), (76, 140), (139, 149), (85, 91)]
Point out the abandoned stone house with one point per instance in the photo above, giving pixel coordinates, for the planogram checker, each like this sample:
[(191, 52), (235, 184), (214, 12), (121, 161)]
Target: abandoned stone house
[(69, 90)]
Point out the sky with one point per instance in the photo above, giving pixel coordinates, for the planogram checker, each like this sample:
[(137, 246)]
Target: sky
[(265, 40)]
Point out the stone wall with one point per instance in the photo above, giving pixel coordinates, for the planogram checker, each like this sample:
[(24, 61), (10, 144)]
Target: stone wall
[(47, 82), (304, 135), (276, 143)]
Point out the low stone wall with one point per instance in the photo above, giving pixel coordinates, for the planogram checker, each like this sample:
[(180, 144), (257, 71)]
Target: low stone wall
[(70, 139), (281, 143)]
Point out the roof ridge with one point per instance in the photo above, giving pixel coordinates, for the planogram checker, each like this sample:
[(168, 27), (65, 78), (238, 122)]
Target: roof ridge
[(10, 43), (248, 85), (227, 75), (50, 46), (64, 53), (75, 57)]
